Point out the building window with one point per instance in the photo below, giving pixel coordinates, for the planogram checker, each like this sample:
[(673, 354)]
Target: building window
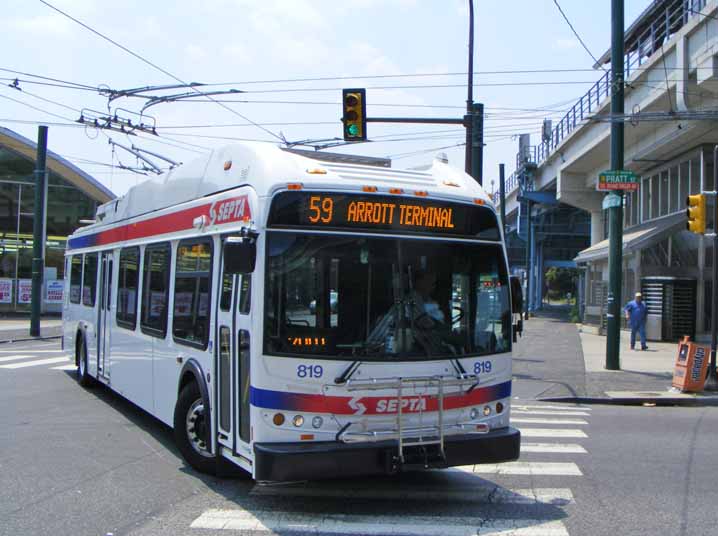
[(190, 318), (75, 278), (155, 288), (695, 175), (646, 194), (89, 280), (685, 171), (655, 196), (128, 280), (664, 195)]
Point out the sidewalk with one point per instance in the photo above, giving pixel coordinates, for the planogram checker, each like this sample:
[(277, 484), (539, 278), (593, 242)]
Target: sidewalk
[(558, 360), (18, 328)]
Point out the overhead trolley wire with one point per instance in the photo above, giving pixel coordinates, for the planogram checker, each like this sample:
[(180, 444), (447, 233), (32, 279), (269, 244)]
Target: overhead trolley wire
[(148, 62)]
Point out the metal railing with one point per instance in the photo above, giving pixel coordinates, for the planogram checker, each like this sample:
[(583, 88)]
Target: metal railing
[(639, 48)]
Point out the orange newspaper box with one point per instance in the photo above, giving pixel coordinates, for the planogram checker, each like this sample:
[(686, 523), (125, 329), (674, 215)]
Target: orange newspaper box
[(689, 374)]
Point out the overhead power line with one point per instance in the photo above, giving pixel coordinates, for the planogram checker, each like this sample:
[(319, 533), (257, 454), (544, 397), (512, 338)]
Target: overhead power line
[(153, 65), (596, 62)]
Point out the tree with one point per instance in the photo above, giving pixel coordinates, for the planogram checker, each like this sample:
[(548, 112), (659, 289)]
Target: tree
[(561, 281)]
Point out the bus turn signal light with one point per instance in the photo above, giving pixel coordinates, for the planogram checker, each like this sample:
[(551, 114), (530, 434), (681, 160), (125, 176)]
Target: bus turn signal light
[(696, 213)]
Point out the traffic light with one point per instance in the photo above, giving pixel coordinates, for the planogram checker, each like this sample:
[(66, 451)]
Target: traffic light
[(696, 213), (354, 117)]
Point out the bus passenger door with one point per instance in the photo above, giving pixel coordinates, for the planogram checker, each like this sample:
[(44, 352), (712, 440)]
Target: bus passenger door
[(104, 315), (232, 362)]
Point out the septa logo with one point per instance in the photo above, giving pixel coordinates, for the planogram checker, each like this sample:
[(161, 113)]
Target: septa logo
[(229, 210), (391, 405)]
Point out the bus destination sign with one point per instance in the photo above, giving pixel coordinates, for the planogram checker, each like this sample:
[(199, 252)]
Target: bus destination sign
[(375, 213)]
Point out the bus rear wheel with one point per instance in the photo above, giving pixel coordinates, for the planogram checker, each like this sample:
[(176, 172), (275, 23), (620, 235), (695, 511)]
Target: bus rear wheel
[(192, 429)]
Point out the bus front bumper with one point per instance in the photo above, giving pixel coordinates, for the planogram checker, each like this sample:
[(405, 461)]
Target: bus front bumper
[(332, 459)]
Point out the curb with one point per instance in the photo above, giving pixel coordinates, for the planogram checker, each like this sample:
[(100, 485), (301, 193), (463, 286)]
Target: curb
[(635, 401), (26, 339)]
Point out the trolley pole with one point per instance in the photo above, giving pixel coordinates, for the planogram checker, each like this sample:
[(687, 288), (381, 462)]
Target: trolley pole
[(38, 246), (712, 379), (615, 213)]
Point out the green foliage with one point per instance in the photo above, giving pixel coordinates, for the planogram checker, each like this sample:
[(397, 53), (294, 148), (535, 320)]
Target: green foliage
[(561, 281)]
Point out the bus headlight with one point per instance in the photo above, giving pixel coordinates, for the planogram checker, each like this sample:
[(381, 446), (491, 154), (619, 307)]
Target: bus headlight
[(487, 411), (499, 407), (298, 420), (317, 422), (474, 414)]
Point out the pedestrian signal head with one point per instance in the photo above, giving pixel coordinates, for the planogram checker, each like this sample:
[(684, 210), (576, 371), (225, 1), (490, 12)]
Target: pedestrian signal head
[(696, 213), (354, 116)]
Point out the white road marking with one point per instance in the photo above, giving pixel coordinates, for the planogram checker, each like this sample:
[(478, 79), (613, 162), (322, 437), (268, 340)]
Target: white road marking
[(549, 448), (263, 521), (530, 420), (551, 432), (562, 408), (65, 367), (487, 494), (549, 412), (524, 468), (15, 357), (35, 363), (58, 351)]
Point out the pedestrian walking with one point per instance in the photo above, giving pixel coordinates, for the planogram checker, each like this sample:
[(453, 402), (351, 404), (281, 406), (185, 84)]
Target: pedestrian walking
[(636, 313)]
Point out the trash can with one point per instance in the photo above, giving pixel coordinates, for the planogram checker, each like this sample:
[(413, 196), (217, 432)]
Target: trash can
[(671, 305)]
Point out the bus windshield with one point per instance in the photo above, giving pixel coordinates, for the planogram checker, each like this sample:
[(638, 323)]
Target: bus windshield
[(374, 298)]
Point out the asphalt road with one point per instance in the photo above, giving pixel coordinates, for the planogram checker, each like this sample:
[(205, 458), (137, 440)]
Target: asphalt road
[(87, 462)]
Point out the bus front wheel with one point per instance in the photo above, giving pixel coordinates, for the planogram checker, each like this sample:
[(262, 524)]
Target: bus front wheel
[(192, 429), (83, 378)]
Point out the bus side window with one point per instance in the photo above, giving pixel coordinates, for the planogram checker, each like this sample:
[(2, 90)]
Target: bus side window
[(75, 278), (245, 294), (127, 279), (190, 318), (225, 297), (155, 288), (89, 280)]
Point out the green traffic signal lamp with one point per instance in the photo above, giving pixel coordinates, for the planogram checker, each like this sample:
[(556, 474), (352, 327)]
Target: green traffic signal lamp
[(354, 114), (696, 213)]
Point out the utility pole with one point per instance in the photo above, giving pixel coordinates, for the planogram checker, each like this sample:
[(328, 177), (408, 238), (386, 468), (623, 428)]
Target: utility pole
[(712, 380), (38, 244), (468, 120), (529, 258), (615, 213), (502, 196)]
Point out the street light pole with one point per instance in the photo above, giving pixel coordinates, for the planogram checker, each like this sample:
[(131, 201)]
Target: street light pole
[(712, 379), (615, 213)]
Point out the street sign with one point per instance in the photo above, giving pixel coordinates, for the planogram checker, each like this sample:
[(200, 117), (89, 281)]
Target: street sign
[(617, 180), (612, 200)]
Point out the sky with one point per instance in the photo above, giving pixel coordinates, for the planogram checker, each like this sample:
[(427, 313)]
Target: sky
[(290, 60)]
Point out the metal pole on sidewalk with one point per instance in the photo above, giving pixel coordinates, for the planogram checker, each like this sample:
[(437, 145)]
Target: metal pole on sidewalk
[(502, 196), (529, 260), (712, 379), (615, 213), (38, 244)]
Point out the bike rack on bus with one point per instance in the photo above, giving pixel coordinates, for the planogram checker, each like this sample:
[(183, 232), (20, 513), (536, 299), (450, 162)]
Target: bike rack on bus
[(417, 436)]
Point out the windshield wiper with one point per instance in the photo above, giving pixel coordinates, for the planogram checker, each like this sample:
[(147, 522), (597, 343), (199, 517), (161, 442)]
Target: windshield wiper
[(351, 369)]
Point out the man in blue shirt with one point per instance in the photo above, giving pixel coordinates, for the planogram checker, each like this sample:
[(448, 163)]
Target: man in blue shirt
[(636, 315)]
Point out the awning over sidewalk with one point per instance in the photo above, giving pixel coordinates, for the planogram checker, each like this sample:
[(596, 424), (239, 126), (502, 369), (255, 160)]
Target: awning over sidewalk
[(638, 237)]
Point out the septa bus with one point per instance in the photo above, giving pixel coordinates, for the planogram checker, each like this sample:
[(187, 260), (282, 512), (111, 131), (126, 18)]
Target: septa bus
[(299, 318)]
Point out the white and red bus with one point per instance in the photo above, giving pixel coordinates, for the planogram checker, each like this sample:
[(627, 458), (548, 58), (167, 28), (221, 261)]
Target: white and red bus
[(299, 318)]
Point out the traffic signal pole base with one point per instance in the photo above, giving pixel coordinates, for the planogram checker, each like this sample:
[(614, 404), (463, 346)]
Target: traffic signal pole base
[(711, 384)]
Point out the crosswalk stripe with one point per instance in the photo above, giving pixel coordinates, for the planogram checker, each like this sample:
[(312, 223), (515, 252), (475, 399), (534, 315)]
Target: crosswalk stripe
[(14, 357), (265, 521), (35, 363), (551, 432), (488, 494), (541, 407), (550, 448), (65, 367), (530, 420), (549, 412), (33, 350), (524, 468)]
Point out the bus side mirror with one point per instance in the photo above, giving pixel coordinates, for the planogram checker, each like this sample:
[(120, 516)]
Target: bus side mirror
[(239, 255), (517, 305)]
